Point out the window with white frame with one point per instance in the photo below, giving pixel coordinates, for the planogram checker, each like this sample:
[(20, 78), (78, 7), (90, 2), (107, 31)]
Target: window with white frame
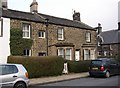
[(68, 54), (26, 30), (86, 54), (105, 53), (27, 52), (92, 54), (61, 52), (88, 37), (60, 33), (65, 53), (41, 34), (1, 29), (42, 54)]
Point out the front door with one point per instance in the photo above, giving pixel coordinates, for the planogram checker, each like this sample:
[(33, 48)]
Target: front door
[(77, 55)]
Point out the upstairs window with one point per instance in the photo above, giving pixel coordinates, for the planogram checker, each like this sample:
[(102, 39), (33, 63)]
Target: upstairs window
[(88, 37), (41, 34), (1, 29), (26, 30), (60, 34)]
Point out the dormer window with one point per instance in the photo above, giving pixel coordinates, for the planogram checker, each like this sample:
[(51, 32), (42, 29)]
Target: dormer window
[(26, 30), (88, 37)]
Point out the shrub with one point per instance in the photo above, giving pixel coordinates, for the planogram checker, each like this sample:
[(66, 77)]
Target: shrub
[(17, 43), (39, 66), (79, 66)]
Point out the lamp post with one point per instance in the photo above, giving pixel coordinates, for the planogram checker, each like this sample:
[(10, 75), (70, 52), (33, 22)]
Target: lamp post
[(47, 23)]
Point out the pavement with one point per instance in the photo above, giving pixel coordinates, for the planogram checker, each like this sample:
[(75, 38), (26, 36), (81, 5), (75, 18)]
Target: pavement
[(64, 77)]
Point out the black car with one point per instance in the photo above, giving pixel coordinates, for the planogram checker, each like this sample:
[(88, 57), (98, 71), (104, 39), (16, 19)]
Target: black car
[(104, 67)]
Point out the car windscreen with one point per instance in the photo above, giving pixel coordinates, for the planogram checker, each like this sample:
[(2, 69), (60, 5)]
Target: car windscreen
[(96, 62)]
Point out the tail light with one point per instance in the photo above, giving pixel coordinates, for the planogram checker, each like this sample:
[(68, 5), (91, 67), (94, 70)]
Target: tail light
[(26, 74), (102, 68)]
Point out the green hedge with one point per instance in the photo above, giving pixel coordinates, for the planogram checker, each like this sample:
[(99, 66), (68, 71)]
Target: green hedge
[(40, 66), (78, 66)]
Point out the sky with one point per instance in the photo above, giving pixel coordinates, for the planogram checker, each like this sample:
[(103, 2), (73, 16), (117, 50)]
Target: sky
[(92, 12)]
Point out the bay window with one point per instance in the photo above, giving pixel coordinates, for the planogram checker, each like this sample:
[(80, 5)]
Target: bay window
[(65, 53)]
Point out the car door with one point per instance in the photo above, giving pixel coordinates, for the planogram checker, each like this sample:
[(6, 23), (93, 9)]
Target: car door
[(114, 67), (9, 74), (117, 67), (111, 66)]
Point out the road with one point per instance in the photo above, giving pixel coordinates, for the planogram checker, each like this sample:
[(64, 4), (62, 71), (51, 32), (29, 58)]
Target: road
[(88, 81)]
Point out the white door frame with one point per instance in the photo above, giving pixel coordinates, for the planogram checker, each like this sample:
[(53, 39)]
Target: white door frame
[(77, 55)]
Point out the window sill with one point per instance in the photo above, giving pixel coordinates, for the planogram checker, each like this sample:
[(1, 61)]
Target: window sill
[(26, 37), (41, 37)]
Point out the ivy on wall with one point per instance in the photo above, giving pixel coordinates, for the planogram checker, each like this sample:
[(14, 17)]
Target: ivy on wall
[(17, 43)]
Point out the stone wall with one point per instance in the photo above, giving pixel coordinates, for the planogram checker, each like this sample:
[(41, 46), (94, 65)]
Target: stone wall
[(76, 36), (112, 50)]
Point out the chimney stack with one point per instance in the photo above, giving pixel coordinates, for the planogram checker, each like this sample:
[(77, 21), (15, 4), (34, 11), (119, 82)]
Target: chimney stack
[(99, 28), (34, 7), (76, 16), (4, 4)]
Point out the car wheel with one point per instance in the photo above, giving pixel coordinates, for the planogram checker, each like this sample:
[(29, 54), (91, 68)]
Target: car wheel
[(107, 74), (20, 85)]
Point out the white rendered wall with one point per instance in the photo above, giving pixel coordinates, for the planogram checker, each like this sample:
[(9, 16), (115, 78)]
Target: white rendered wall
[(4, 41), (119, 11)]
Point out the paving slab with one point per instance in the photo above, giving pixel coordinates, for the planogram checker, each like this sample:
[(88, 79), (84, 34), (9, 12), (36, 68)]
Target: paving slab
[(63, 77)]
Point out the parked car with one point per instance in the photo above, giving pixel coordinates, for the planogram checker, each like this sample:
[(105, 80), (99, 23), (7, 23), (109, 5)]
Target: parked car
[(104, 67), (13, 75)]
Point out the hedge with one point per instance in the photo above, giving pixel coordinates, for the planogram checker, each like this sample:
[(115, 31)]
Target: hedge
[(78, 66), (39, 66)]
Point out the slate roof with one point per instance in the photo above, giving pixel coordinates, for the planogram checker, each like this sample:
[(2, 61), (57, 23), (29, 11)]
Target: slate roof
[(38, 17), (111, 37)]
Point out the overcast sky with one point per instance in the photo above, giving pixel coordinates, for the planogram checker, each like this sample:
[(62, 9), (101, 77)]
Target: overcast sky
[(92, 11)]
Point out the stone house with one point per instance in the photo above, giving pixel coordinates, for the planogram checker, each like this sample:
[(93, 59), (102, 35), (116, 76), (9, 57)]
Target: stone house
[(54, 36), (109, 43)]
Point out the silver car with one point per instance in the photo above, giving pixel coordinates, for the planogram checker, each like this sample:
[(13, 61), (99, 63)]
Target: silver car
[(13, 75)]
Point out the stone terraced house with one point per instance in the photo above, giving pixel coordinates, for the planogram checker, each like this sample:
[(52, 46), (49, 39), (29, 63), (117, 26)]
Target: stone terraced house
[(109, 44), (53, 36)]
